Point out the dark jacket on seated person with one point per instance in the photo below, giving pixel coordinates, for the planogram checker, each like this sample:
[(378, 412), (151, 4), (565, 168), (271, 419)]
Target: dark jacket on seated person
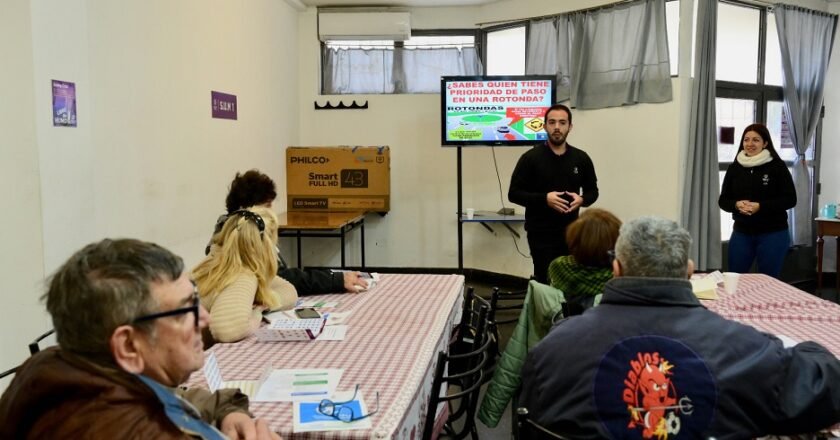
[(306, 282), (59, 395), (652, 361)]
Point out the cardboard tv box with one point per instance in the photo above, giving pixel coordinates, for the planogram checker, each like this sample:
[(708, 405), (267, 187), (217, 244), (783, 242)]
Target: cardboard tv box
[(338, 178)]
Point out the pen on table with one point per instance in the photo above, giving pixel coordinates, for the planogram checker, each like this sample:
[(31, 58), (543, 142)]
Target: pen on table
[(308, 393)]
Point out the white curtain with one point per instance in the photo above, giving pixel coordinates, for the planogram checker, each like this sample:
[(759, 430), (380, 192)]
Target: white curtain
[(612, 56), (805, 40), (372, 71), (700, 212), (546, 54)]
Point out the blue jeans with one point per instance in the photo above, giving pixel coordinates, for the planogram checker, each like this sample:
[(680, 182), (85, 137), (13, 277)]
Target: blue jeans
[(769, 249)]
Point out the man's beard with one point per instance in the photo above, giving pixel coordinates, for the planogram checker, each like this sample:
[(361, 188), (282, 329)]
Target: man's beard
[(557, 138)]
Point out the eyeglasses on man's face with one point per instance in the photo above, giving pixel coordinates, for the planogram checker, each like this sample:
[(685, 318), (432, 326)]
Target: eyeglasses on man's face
[(339, 410), (193, 308)]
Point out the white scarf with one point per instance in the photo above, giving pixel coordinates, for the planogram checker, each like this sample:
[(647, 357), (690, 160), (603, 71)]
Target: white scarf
[(753, 161)]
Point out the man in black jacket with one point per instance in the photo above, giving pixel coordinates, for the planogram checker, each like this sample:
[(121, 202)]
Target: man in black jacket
[(254, 188), (651, 362), (552, 181)]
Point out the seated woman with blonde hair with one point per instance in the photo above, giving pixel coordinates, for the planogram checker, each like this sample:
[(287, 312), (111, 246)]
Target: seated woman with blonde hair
[(237, 281), (582, 275)]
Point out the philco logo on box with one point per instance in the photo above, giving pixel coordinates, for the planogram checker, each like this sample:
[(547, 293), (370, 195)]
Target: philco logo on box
[(308, 159)]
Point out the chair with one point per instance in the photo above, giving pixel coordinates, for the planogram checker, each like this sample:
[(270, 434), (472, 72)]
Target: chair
[(463, 371), (501, 301), (528, 429), (33, 346)]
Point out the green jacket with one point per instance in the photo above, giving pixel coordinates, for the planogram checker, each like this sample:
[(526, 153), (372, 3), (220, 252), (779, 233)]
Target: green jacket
[(541, 304)]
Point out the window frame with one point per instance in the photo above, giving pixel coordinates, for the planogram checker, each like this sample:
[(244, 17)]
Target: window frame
[(762, 93)]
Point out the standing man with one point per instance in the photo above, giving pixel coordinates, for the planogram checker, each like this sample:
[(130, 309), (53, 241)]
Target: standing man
[(128, 323), (552, 181)]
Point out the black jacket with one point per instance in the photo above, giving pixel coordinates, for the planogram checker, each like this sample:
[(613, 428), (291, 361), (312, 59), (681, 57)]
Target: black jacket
[(650, 344), (770, 185), (540, 171)]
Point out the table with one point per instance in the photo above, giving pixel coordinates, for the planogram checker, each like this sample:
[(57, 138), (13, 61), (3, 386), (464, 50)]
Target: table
[(781, 309), (301, 224), (395, 332), (830, 227)]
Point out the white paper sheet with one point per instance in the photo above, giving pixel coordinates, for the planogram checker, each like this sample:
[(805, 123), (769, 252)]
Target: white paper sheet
[(333, 333), (294, 384)]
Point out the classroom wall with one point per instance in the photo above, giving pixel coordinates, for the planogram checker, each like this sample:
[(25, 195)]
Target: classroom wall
[(638, 151), (146, 160), (638, 144), (21, 259)]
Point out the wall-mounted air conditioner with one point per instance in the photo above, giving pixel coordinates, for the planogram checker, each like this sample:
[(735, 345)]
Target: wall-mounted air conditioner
[(364, 25)]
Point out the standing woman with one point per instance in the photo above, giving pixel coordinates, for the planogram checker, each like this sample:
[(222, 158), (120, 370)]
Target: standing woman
[(758, 190), (238, 280)]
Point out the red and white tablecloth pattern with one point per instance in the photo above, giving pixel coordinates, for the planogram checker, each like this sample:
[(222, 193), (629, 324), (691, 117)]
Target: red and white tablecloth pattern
[(394, 334), (781, 309)]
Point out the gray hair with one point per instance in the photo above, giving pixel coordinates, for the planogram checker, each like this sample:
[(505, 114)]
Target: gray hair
[(653, 247), (103, 286)]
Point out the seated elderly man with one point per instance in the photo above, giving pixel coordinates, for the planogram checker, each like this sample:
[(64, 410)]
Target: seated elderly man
[(652, 362), (128, 323)]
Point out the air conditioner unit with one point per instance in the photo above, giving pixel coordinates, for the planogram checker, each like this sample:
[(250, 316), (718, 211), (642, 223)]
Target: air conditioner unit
[(364, 25)]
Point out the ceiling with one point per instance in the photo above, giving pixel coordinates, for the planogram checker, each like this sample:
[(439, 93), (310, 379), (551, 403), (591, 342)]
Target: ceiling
[(410, 3), (404, 3)]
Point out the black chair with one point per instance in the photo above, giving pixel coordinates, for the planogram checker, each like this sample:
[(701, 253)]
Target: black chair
[(528, 429), (461, 375), (8, 372), (505, 302), (34, 347)]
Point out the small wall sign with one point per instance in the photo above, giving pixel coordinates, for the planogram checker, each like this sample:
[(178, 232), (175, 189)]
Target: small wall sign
[(223, 105), (64, 103)]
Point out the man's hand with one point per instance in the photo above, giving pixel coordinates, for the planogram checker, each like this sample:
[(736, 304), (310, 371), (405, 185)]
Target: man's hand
[(576, 202), (240, 426), (557, 202), (354, 283)]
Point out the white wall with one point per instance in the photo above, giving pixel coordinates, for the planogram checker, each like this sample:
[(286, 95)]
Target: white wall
[(146, 160), (830, 160), (638, 145), (21, 259)]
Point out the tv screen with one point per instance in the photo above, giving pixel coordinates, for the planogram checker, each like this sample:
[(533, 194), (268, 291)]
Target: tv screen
[(494, 110)]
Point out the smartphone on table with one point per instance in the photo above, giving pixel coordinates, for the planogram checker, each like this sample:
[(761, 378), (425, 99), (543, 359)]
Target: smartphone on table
[(307, 313)]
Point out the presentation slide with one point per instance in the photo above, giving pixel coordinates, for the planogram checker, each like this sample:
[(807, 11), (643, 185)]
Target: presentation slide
[(495, 110)]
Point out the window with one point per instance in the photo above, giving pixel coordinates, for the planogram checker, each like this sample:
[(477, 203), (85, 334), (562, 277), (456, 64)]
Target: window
[(506, 51), (389, 67), (749, 87), (672, 20)]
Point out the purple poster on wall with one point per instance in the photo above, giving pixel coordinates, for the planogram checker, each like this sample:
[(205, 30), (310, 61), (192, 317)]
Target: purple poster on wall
[(64, 103), (223, 105)]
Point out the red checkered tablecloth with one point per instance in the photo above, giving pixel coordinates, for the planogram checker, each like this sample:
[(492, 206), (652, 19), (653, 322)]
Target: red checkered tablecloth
[(394, 333), (781, 309)]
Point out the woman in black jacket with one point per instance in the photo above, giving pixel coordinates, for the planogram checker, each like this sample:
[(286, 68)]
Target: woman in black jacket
[(758, 190)]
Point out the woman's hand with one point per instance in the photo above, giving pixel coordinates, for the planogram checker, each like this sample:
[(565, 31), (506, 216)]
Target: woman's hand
[(747, 207), (354, 283)]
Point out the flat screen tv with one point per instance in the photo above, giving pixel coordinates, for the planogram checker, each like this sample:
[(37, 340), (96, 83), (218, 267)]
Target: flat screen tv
[(494, 110)]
